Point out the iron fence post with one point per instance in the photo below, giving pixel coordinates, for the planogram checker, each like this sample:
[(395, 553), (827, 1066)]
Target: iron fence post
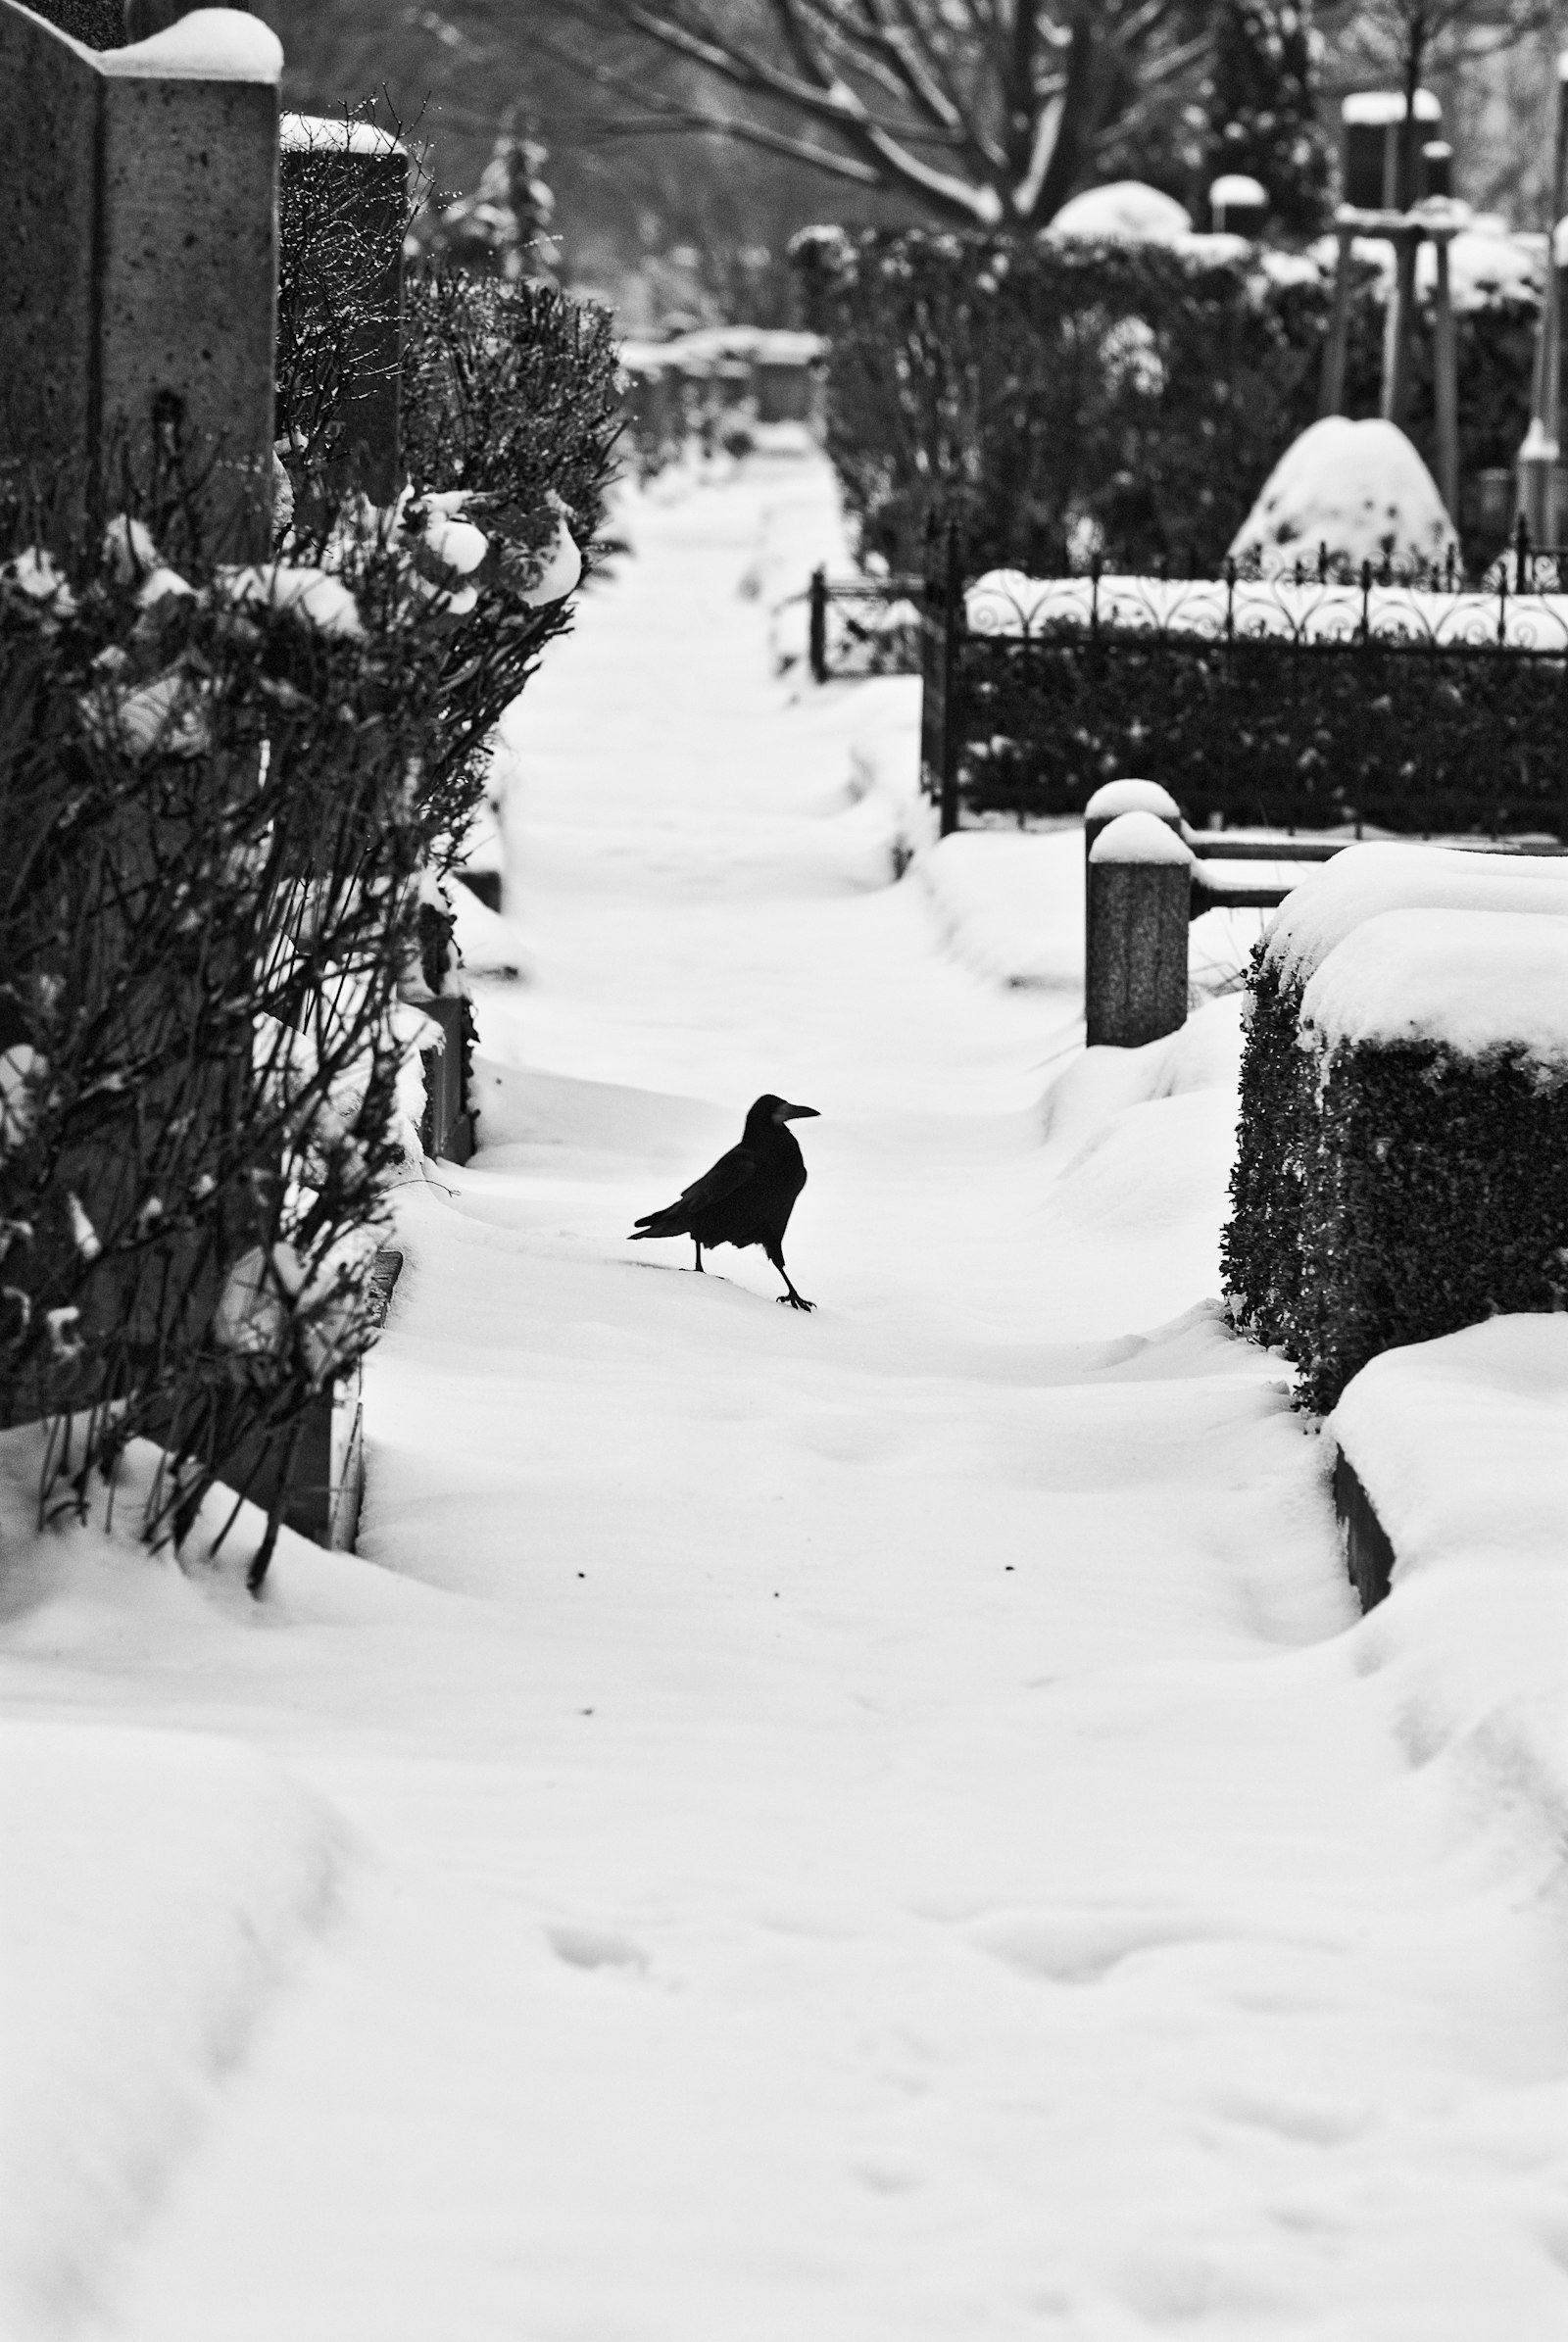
[(818, 633), (951, 620)]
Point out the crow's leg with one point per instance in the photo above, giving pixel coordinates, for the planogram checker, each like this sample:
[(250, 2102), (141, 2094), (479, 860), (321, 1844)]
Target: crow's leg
[(699, 1257), (790, 1298)]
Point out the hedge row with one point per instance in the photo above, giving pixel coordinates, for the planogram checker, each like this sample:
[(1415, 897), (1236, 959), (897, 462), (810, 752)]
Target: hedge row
[(1388, 1192), (1406, 737), (1054, 397)]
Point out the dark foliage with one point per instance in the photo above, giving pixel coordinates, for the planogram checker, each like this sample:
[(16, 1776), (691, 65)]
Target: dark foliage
[(1386, 1195), (1434, 1195), (1261, 113), (208, 898), (1407, 736), (1276, 1135), (1053, 398)]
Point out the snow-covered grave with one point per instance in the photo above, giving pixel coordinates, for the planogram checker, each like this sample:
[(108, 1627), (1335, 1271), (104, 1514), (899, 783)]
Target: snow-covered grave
[(881, 1825)]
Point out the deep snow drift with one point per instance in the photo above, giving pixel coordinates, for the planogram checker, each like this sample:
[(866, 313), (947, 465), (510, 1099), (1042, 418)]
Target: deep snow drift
[(874, 1826)]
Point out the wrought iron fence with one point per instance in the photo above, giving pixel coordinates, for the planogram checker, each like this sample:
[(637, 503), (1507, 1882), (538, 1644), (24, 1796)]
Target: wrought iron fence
[(864, 625), (1423, 701)]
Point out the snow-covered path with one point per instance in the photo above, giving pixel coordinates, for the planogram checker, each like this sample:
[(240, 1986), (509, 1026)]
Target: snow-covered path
[(874, 1826)]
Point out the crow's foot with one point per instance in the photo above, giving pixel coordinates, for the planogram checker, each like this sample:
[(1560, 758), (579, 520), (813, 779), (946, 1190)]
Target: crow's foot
[(794, 1300)]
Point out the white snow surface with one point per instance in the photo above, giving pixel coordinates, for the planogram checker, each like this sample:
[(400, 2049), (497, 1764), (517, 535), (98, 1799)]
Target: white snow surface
[(1140, 838), (882, 1825), (1358, 488), (1131, 796), (1467, 979), (1007, 601), (1461, 1446), (210, 45), (325, 133), (1388, 875), (1122, 212)]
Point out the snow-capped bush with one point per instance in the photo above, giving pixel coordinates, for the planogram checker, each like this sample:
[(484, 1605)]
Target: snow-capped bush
[(1357, 491), (1404, 1090)]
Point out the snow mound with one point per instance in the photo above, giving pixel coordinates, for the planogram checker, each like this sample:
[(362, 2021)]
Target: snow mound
[(156, 1883), (1125, 212), (1011, 905), (1387, 876), (1463, 978), (1358, 488), (1483, 267), (1458, 1444)]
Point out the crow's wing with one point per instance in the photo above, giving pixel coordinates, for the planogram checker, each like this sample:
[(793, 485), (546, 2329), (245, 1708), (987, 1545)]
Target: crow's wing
[(731, 1171)]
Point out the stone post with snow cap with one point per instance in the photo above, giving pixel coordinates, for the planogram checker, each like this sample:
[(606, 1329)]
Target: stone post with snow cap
[(1140, 899), (1108, 804), (138, 212)]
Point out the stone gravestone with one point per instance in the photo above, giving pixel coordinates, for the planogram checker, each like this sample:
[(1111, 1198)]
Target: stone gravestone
[(351, 181), (138, 215)]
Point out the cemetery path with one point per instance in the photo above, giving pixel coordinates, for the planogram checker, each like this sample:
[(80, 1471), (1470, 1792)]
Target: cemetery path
[(872, 1825)]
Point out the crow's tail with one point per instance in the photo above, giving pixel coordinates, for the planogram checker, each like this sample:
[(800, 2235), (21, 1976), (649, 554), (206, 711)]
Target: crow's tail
[(671, 1221)]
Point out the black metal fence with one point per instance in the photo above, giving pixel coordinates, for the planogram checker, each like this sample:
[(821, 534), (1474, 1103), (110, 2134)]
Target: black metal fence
[(1420, 703)]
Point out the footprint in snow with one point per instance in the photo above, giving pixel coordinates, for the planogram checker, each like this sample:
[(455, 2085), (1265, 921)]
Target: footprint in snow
[(583, 1947)]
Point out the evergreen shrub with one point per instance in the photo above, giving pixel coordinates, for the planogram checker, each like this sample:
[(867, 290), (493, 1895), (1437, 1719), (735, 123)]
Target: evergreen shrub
[(1387, 1193), (1064, 399)]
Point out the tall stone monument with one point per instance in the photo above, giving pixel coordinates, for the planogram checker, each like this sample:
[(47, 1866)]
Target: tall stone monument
[(138, 213)]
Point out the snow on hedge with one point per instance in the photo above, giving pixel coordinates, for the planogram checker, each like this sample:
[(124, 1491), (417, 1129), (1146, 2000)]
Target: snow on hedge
[(1360, 489), (1009, 602), (1459, 1446), (1465, 979), (1383, 876), (1124, 212)]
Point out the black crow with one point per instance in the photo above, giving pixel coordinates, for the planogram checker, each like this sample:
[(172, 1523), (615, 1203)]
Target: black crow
[(747, 1197)]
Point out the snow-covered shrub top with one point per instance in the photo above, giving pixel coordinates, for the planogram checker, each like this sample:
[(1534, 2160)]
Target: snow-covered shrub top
[(1367, 879), (1357, 490), (1124, 212), (1007, 601), (1459, 1442), (1462, 980)]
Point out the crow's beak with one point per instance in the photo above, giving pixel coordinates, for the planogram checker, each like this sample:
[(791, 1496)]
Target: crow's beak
[(788, 1113)]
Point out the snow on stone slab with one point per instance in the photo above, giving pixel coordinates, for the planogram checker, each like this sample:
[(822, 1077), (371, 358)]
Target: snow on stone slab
[(211, 44), (1358, 488), (1461, 1444), (1122, 212), (1131, 796), (1466, 980), (321, 133), (1386, 875), (1140, 838)]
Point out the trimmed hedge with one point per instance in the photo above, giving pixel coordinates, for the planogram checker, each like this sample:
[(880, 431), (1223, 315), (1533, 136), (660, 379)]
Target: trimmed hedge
[(1055, 396), (1409, 738), (1383, 1194), (1436, 1196)]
